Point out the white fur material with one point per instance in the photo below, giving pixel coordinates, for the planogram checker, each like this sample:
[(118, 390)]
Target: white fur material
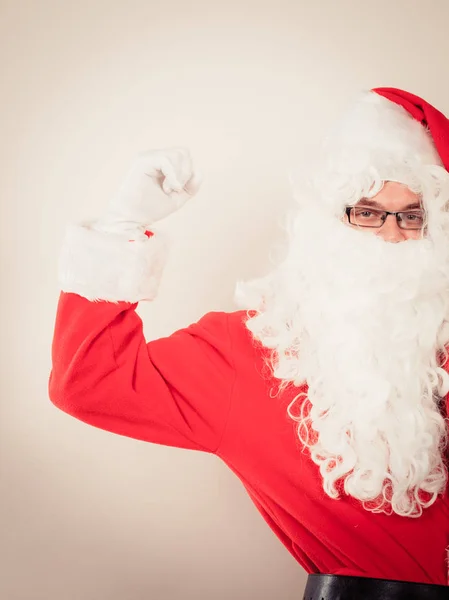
[(375, 132), (106, 266)]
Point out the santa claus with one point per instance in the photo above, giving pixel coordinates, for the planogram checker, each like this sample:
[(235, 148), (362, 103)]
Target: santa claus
[(326, 392)]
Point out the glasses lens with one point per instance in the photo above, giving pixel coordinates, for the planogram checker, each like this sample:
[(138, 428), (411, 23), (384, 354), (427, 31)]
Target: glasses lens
[(411, 219), (366, 217)]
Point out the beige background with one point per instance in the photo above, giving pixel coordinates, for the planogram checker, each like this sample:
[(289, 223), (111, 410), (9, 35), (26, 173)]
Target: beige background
[(85, 85)]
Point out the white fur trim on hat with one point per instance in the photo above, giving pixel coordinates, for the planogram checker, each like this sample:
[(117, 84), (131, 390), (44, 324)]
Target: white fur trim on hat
[(107, 266), (375, 132)]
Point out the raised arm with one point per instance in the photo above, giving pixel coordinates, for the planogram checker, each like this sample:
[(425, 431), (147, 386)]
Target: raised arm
[(174, 390)]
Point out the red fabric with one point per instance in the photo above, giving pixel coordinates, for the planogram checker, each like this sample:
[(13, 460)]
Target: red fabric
[(207, 387), (426, 114)]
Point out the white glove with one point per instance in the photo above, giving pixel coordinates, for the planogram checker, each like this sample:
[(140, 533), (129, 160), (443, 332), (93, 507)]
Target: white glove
[(158, 183)]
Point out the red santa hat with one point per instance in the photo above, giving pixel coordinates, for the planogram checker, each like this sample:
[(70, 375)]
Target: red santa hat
[(435, 124), (385, 134)]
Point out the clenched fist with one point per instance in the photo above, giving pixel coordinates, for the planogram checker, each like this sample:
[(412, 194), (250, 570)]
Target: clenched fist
[(158, 183)]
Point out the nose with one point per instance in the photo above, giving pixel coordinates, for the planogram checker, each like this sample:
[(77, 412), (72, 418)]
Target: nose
[(390, 231)]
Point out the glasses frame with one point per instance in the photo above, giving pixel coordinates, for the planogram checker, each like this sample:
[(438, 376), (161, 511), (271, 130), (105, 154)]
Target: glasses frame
[(385, 214)]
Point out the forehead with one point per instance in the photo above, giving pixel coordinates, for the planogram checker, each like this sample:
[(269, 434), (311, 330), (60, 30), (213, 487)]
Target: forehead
[(393, 196)]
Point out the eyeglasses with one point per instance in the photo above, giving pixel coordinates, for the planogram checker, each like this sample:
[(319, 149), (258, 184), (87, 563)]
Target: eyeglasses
[(371, 217)]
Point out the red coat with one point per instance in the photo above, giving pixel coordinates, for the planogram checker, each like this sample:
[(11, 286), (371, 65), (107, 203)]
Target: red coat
[(206, 387)]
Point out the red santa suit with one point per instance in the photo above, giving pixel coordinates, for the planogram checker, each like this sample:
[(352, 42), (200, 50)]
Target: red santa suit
[(208, 387)]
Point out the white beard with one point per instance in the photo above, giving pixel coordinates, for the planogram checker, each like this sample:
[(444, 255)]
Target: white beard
[(361, 321)]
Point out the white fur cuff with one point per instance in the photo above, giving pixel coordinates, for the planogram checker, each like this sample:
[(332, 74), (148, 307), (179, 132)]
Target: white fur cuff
[(107, 266)]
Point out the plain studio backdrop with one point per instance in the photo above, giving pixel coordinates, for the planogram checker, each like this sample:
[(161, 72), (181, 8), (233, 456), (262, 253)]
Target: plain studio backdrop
[(248, 87)]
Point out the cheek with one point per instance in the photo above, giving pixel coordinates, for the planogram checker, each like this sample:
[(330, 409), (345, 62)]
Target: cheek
[(413, 234)]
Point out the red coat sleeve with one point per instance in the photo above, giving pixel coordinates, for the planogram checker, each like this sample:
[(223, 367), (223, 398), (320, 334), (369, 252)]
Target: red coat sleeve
[(174, 391)]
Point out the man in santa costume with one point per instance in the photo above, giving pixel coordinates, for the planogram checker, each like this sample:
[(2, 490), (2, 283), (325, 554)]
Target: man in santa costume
[(326, 394)]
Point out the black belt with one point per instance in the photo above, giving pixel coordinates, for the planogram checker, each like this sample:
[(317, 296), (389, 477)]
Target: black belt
[(341, 587)]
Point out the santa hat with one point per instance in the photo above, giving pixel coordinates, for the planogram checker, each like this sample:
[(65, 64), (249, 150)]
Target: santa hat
[(434, 122), (388, 129)]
